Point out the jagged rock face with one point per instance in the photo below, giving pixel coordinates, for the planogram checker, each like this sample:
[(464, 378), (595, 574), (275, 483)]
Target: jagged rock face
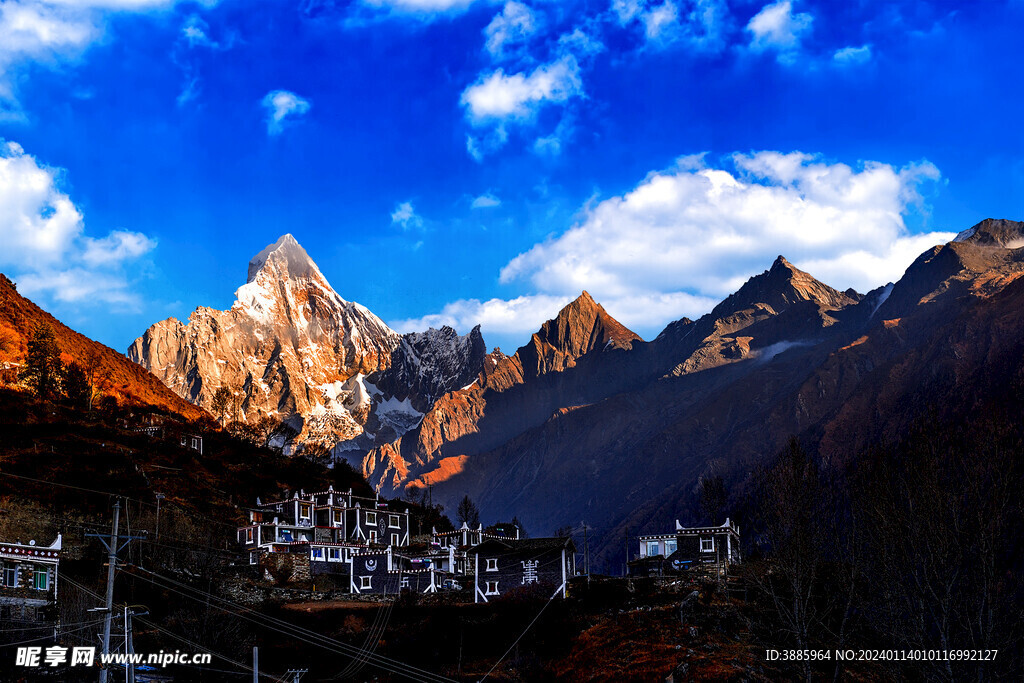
[(426, 365), (291, 348), (510, 394)]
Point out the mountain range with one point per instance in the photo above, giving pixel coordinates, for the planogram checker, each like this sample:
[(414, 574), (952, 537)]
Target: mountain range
[(587, 421)]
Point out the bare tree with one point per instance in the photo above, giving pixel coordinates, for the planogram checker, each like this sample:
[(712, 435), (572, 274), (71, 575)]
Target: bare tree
[(467, 512)]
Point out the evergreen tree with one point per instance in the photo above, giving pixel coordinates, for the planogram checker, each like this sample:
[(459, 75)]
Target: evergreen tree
[(76, 386), (43, 369)]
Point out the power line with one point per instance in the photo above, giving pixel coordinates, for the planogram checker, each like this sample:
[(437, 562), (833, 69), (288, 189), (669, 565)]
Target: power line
[(287, 628), (42, 638), (183, 639), (516, 642)]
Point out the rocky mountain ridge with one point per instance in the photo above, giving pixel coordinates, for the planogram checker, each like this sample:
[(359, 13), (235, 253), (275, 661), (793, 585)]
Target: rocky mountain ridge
[(588, 421), (291, 349)]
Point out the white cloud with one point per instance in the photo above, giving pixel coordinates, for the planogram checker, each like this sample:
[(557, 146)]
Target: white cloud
[(406, 217), (422, 8), (660, 20), (685, 238), (117, 247), (281, 105), (486, 201), (38, 222), (853, 55), (512, 27), (498, 96), (776, 29), (45, 248), (699, 24), (521, 315), (196, 33), (705, 230), (53, 33)]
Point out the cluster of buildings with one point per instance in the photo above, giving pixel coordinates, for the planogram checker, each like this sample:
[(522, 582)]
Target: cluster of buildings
[(365, 544)]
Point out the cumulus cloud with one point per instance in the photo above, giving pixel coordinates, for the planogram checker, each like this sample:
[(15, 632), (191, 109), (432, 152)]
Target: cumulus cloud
[(703, 229), (700, 24), (486, 201), (686, 237), (853, 55), (498, 96), (46, 249), (777, 29), (510, 28), (282, 105), (405, 216)]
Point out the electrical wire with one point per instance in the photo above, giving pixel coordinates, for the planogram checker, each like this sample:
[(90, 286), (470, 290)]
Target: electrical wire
[(287, 628), (180, 638)]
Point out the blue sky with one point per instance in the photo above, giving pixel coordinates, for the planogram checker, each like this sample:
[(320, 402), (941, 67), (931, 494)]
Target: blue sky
[(464, 161)]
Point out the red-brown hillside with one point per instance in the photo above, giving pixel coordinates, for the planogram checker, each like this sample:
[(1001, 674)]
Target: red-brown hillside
[(129, 382)]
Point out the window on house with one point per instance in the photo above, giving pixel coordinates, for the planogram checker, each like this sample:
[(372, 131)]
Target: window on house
[(373, 536), (334, 554), (41, 581), (248, 535), (492, 588), (394, 539), (371, 517), (10, 575), (652, 549), (707, 545), (257, 516), (365, 582), (337, 517), (492, 564), (286, 535), (670, 547), (304, 511), (318, 553), (394, 522), (252, 558)]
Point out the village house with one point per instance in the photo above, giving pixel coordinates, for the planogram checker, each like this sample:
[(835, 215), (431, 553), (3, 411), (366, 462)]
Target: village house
[(708, 547), (459, 542), (386, 572), (501, 566), (28, 584)]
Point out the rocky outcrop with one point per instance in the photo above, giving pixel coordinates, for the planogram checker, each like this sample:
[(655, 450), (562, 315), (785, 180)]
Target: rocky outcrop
[(292, 349), (509, 395)]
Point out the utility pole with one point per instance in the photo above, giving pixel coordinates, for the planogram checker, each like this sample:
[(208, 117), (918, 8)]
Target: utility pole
[(112, 550), (159, 497), (586, 552), (129, 645), (255, 664), (109, 603)]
